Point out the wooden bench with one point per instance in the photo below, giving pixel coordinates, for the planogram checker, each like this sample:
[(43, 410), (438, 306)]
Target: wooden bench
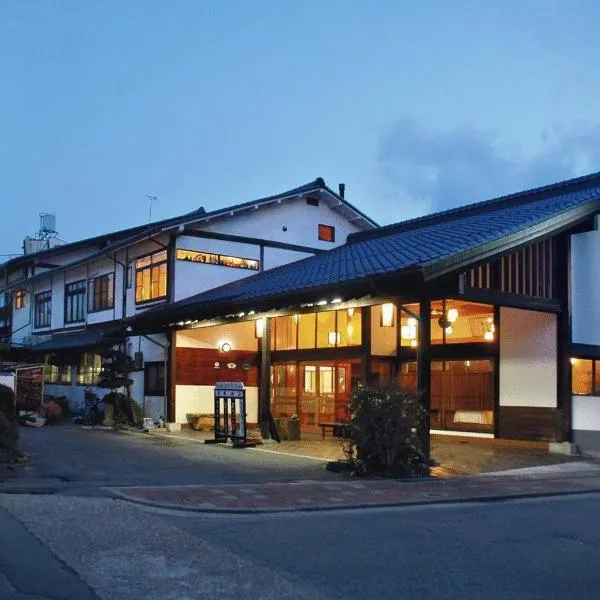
[(337, 429)]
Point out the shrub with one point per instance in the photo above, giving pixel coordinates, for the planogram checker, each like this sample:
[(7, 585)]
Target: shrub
[(383, 432), (126, 411), (7, 401)]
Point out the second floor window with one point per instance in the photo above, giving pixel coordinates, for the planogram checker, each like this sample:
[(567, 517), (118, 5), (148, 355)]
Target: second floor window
[(151, 277), (43, 309), (20, 296), (75, 302), (102, 292)]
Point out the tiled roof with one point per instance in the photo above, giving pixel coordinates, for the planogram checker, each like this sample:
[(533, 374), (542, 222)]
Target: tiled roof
[(118, 238), (420, 244)]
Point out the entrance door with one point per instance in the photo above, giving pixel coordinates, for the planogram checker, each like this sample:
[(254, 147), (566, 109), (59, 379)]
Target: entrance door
[(324, 394)]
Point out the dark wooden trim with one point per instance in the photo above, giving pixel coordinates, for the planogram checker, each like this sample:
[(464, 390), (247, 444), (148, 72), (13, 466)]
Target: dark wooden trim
[(85, 300), (365, 347), (317, 354), (261, 263), (171, 259), (563, 339), (497, 323), (171, 382), (250, 240), (469, 350), (424, 370), (527, 423), (264, 382), (90, 295), (584, 351), (510, 300)]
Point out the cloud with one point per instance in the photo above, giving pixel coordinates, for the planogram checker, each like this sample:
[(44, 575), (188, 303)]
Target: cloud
[(422, 170)]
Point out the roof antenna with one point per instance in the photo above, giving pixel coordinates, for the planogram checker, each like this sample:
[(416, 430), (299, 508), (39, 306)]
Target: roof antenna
[(151, 199)]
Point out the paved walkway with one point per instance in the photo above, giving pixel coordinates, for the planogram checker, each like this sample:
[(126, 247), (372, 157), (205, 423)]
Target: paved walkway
[(356, 493)]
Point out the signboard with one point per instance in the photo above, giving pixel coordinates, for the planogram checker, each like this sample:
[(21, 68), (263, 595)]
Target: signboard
[(230, 412), (29, 387)]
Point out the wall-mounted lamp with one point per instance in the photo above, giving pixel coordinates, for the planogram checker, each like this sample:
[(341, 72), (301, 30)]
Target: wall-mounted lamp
[(259, 328), (490, 330), (387, 315), (225, 347)]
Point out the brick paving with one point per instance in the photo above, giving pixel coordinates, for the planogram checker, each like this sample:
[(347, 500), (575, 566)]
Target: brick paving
[(359, 493)]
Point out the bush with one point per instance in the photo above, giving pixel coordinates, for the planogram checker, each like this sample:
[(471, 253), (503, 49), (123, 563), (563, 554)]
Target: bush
[(126, 411), (7, 401), (383, 432)]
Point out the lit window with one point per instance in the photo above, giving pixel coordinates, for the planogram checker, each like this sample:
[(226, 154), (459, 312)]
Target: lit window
[(151, 277), (102, 293), (582, 376), (20, 298), (222, 260), (326, 233), (90, 366), (58, 374)]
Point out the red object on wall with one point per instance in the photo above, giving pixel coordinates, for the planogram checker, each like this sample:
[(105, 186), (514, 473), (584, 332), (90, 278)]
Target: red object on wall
[(196, 366)]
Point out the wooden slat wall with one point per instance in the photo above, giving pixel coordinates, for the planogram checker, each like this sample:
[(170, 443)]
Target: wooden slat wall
[(462, 391), (527, 423), (196, 366)]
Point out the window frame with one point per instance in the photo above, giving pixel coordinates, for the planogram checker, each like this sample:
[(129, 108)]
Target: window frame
[(57, 374), (595, 388), (150, 267), (20, 299), (326, 237), (71, 294), (92, 307), (38, 323), (89, 370), (151, 391)]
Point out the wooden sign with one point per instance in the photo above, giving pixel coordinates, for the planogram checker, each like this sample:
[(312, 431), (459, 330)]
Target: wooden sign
[(29, 388)]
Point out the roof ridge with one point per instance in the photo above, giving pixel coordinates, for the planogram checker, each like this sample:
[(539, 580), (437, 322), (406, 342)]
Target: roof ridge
[(311, 186), (523, 196)]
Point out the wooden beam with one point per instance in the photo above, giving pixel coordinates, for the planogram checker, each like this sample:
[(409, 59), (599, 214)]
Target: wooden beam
[(172, 379)]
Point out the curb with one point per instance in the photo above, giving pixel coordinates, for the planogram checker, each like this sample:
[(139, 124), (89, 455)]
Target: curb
[(307, 509)]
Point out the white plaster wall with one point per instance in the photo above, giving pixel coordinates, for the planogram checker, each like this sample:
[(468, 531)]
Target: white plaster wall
[(528, 367), (200, 399), (383, 339), (585, 413), (22, 320), (585, 287), (192, 278), (275, 257), (239, 335), (299, 219)]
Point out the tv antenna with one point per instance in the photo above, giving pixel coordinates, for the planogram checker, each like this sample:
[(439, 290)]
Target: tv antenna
[(151, 199)]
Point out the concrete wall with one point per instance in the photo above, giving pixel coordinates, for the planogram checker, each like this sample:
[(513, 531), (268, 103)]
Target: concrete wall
[(528, 369)]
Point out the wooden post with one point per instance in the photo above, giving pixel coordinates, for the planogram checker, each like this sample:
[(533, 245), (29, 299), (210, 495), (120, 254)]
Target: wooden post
[(424, 370), (562, 289), (365, 362), (172, 381), (264, 395)]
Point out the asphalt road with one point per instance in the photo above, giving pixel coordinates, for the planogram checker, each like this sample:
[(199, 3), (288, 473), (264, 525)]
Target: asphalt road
[(81, 544)]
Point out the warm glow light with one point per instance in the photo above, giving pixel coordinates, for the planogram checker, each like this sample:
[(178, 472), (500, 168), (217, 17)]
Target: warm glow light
[(350, 313), (573, 361), (336, 301), (449, 330), (225, 347), (467, 363), (452, 315), (296, 318), (333, 338), (321, 302), (413, 343), (259, 328), (488, 336), (387, 315)]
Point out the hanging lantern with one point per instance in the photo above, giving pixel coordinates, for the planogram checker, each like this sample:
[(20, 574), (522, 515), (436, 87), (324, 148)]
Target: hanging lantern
[(387, 315), (259, 328)]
